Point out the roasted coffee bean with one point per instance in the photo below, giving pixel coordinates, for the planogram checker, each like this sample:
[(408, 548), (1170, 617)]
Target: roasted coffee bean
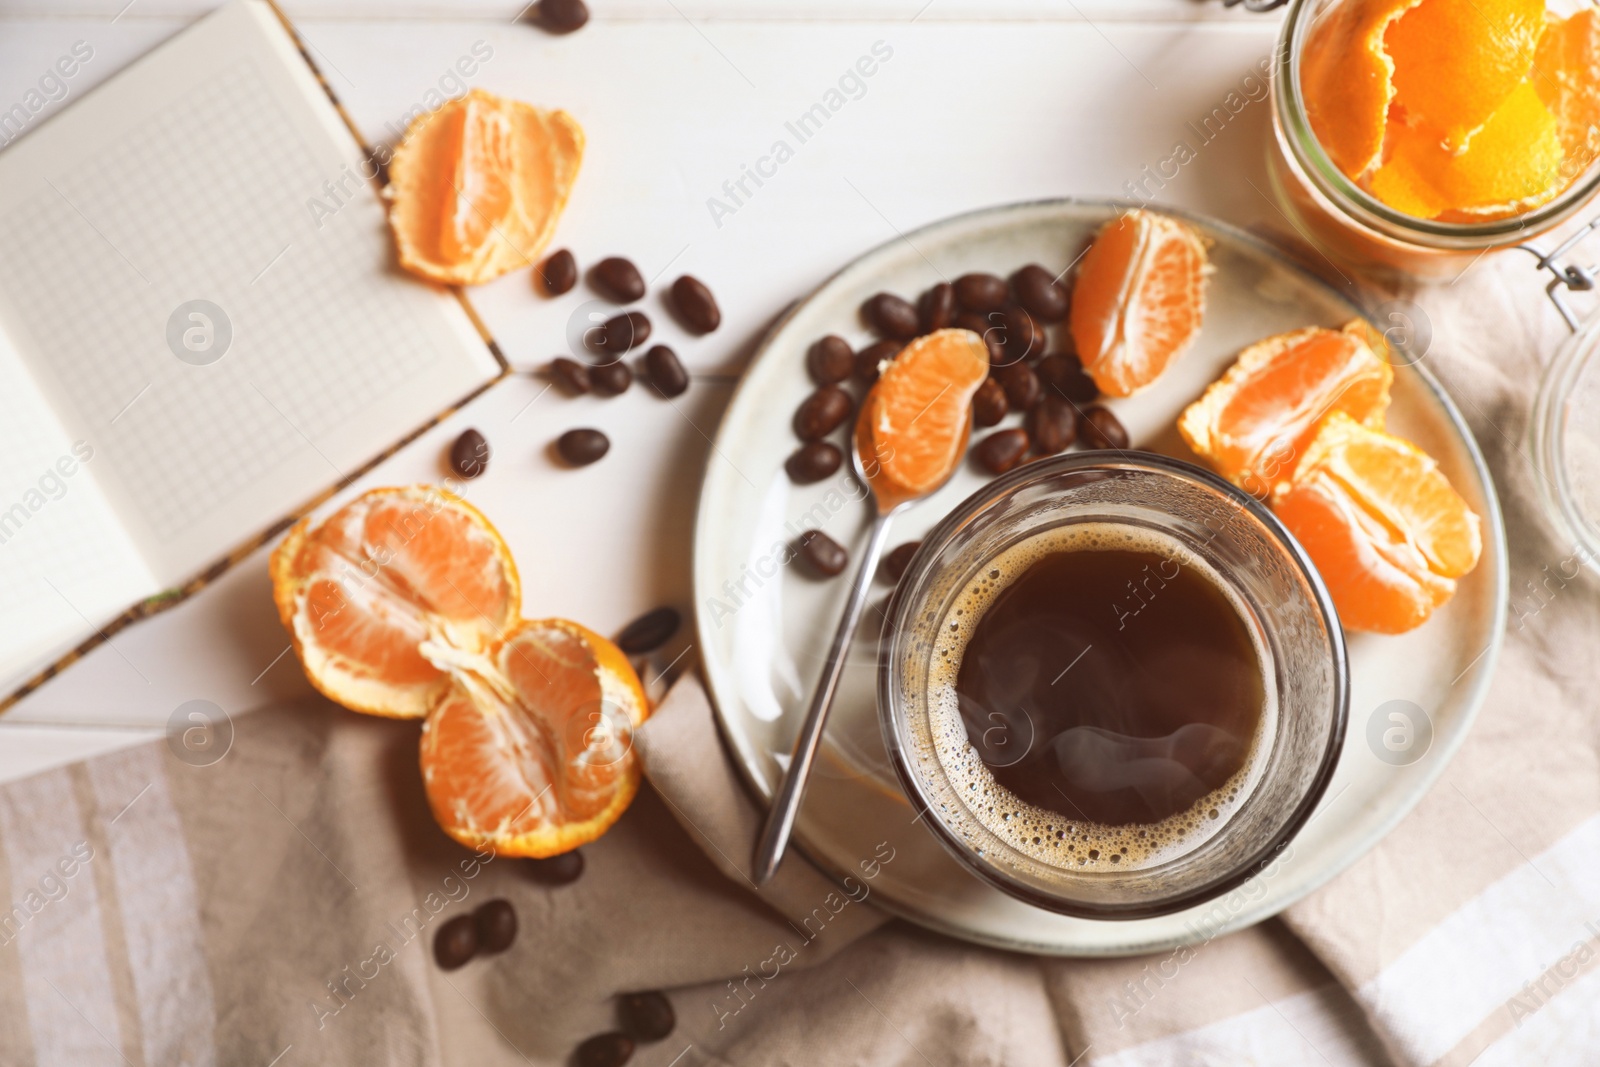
[(1002, 450), (1064, 375), (990, 327), (892, 316), (830, 360), (981, 292), (455, 943), (557, 870), (1052, 425), (572, 376), (825, 556), (813, 462), (620, 333), (496, 926), (937, 307), (697, 308), (610, 379), (618, 279), (823, 412), (646, 1016), (558, 273), (605, 1050), (665, 372), (469, 455), (649, 631), (582, 447), (1037, 290), (1025, 338), (895, 563), (989, 403), (1101, 429), (1021, 384), (867, 360), (560, 16)]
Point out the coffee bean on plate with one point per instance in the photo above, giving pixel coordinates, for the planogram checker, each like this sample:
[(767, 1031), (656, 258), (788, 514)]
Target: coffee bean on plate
[(813, 462), (895, 563), (621, 333), (1101, 429), (981, 292), (892, 316), (455, 943), (610, 379), (867, 360), (937, 307), (1025, 338), (1064, 375), (1037, 290), (557, 870), (572, 376), (496, 926), (605, 1050), (823, 412), (826, 557), (558, 273), (560, 16), (646, 1016), (617, 279), (1002, 450), (990, 327), (697, 308), (469, 455), (989, 403), (1052, 425), (1021, 384), (830, 360), (649, 631), (665, 371), (582, 447)]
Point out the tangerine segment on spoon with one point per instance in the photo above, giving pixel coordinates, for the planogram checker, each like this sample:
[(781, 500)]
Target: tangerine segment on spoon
[(1256, 421), (1386, 530), (477, 186), (1138, 300), (530, 752), (391, 575), (914, 424), (1347, 79)]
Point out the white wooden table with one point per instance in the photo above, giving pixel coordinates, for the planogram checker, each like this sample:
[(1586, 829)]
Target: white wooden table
[(977, 104)]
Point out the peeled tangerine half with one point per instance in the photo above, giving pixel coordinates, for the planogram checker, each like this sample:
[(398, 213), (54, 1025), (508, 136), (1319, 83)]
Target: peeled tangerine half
[(1255, 422), (915, 422), (1386, 530), (477, 186), (406, 603), (1138, 299)]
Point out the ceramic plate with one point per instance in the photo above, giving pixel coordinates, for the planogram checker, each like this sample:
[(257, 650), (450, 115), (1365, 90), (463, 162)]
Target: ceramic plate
[(764, 626)]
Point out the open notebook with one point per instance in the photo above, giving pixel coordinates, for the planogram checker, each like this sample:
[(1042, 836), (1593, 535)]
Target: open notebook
[(147, 439)]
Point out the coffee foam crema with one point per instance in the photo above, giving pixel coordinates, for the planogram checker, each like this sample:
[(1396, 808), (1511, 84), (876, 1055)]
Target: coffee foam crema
[(1050, 836)]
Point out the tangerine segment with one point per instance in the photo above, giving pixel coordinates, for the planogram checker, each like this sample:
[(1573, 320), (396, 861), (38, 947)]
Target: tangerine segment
[(1138, 300), (1254, 423), (1456, 61), (371, 593), (1346, 79), (1387, 531), (1513, 163), (914, 423), (477, 186), (531, 751), (1566, 72)]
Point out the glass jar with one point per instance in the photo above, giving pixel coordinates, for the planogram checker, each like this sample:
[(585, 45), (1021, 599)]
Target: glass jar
[(1352, 227)]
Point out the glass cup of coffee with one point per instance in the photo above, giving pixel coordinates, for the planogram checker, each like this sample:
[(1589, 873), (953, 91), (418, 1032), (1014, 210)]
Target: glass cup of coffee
[(1113, 683)]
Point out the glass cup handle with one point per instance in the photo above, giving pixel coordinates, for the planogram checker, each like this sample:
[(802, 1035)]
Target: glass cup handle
[(1566, 278)]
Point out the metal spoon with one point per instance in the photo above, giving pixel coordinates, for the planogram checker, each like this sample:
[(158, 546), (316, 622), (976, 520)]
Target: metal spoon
[(786, 802)]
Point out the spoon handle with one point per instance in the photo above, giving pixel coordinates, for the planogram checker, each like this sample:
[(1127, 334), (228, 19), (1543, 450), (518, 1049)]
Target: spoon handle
[(786, 802)]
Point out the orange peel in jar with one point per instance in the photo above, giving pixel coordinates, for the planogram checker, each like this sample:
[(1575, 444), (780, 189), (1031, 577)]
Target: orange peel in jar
[(1566, 73), (476, 187), (1346, 79)]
